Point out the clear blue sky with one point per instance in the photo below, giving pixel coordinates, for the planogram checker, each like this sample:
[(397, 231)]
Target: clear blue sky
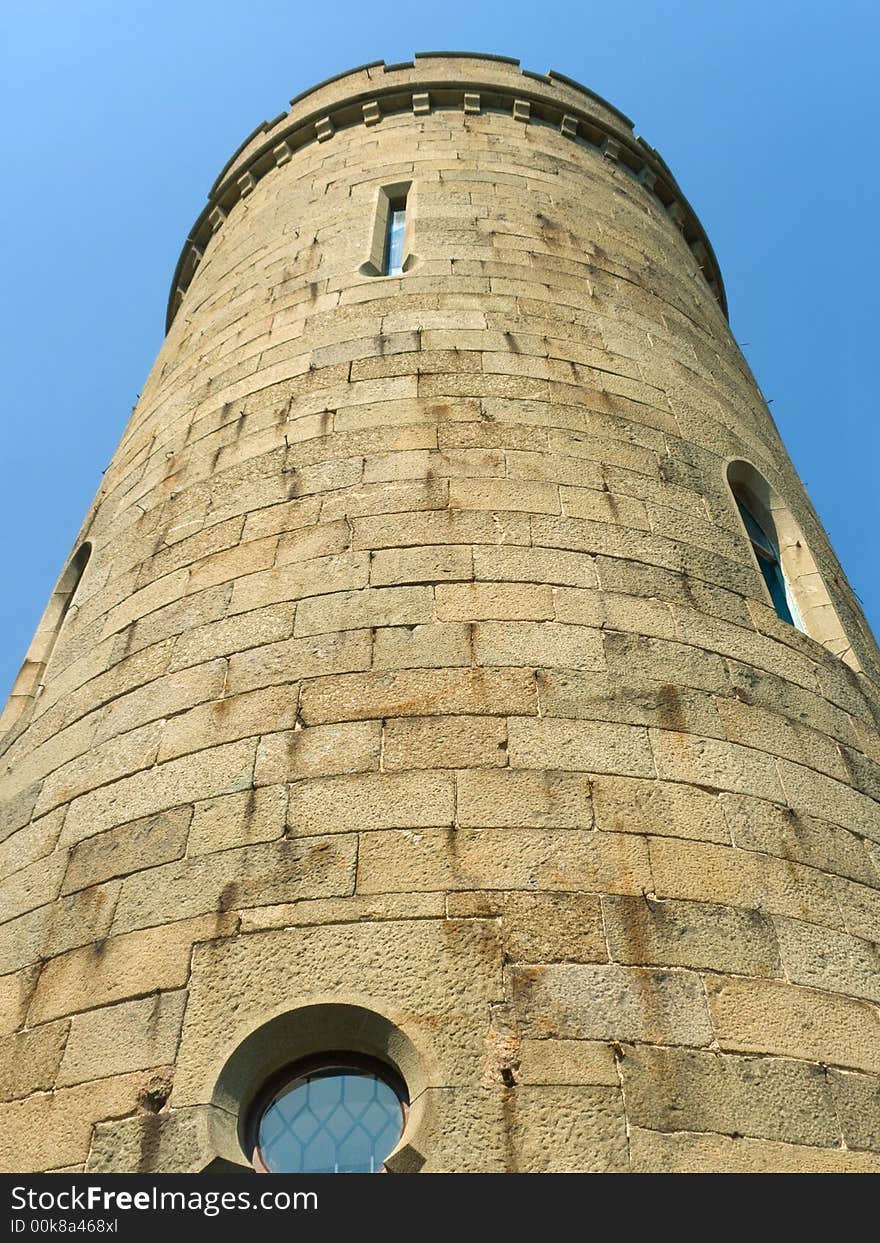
[(120, 113)]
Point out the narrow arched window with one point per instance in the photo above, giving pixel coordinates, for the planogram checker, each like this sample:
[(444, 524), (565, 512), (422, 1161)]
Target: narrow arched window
[(794, 583), (390, 252), (32, 672), (767, 556)]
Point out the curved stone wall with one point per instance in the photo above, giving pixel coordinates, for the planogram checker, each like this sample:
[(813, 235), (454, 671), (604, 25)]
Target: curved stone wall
[(421, 670)]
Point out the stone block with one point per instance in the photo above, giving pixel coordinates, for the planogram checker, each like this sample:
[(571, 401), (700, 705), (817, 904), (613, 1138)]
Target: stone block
[(117, 1039), (827, 959), (568, 1062), (625, 805), (268, 872), (346, 572), (523, 799), (599, 696), (319, 751), (441, 526), (761, 1097), (72, 920), (581, 746), (127, 848), (178, 1142), (857, 1099), (32, 886), (15, 994), (602, 1002), (550, 927), (716, 764), (645, 932), (29, 1060), (511, 495), (437, 564), (358, 610), (655, 1153), (770, 1016), (357, 908), (700, 872), (293, 659), (552, 859), (231, 563), (488, 601), (781, 831), (160, 698), (234, 820), (223, 720), (538, 644), (534, 565), (366, 801), (52, 1130), (415, 692), (418, 647), (122, 967), (443, 742), (222, 770)]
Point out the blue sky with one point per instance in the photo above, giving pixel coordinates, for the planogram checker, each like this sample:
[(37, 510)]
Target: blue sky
[(120, 113)]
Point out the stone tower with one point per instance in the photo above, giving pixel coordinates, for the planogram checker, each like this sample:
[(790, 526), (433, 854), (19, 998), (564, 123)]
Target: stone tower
[(451, 684)]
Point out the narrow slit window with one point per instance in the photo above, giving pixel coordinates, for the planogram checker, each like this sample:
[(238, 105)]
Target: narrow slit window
[(767, 556), (393, 265)]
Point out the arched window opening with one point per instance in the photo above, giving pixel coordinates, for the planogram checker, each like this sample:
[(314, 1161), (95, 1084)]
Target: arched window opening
[(767, 557), (32, 673), (794, 584), (391, 242)]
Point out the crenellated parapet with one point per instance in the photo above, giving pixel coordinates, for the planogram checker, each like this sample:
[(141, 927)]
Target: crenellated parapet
[(469, 83)]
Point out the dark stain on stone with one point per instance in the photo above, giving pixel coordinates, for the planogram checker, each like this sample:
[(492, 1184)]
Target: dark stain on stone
[(670, 709), (149, 1140), (228, 897), (508, 1125)]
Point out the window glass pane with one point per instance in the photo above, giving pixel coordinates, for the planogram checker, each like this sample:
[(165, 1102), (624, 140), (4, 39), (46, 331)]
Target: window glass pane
[(755, 532), (776, 586), (767, 556), (336, 1121), (394, 249)]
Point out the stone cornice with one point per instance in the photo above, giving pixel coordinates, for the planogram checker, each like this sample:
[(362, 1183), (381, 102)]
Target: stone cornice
[(530, 98)]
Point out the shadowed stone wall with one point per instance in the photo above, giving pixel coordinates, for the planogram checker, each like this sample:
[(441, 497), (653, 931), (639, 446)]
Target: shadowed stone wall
[(421, 667)]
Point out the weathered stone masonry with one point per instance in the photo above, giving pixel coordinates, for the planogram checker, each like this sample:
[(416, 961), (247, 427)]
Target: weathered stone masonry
[(419, 667)]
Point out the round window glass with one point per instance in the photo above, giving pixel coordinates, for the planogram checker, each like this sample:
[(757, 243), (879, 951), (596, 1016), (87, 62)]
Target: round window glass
[(334, 1118)]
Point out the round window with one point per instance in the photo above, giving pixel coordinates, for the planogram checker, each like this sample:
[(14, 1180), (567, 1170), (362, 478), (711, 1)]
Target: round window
[(340, 1114)]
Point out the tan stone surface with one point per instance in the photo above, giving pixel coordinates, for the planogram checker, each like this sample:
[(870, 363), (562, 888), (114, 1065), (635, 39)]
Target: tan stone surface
[(256, 874), (644, 931), (133, 1035), (766, 1098), (49, 1130), (127, 848), (121, 967), (773, 1017), (719, 1154), (586, 1002), (421, 663), (567, 1062), (29, 1060), (424, 994)]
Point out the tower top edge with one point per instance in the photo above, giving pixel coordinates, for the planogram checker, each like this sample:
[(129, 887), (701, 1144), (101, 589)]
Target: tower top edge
[(341, 101)]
